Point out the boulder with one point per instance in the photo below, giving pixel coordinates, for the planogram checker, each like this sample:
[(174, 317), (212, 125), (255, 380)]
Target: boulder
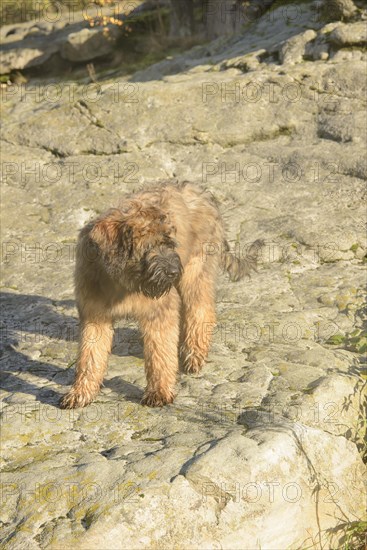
[(88, 44), (351, 34), (293, 50)]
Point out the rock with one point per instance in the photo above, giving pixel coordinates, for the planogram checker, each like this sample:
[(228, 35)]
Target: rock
[(293, 50), (334, 10), (88, 44), (244, 63), (318, 48), (254, 499), (17, 78), (352, 34), (31, 44), (322, 54), (25, 58), (348, 55)]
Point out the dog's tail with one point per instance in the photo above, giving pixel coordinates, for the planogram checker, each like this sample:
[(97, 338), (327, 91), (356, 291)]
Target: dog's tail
[(238, 267)]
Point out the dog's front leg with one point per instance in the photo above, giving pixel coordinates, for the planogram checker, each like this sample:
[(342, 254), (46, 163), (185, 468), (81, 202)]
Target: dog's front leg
[(94, 348), (160, 328)]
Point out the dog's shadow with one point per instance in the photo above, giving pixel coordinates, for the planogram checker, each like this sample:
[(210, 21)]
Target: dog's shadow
[(29, 318)]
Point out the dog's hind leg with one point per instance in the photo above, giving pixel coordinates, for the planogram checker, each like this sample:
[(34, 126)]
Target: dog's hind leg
[(197, 290)]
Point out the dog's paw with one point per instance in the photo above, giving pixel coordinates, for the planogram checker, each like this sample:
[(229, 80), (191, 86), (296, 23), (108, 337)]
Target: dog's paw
[(157, 398), (193, 364), (74, 400)]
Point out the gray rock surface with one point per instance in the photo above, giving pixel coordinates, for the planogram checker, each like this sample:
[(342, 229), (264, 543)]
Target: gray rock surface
[(262, 449)]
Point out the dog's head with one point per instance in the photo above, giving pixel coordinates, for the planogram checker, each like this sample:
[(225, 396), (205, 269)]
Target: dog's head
[(137, 249)]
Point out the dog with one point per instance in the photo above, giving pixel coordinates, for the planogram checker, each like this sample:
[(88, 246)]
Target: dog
[(156, 257)]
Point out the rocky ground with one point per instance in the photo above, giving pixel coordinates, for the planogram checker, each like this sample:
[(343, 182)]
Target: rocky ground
[(263, 448)]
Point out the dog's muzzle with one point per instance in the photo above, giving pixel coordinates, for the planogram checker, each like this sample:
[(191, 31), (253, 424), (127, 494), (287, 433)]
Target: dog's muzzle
[(161, 273)]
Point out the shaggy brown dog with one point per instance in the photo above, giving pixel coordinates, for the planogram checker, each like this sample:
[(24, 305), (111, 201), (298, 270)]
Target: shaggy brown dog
[(155, 257)]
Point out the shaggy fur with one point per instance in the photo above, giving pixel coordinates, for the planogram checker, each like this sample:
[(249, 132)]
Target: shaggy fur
[(156, 257)]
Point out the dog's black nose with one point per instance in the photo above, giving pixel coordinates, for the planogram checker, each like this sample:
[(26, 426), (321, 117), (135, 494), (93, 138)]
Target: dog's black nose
[(172, 271)]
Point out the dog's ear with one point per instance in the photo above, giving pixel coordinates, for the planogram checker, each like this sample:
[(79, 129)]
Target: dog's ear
[(105, 231), (111, 231)]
